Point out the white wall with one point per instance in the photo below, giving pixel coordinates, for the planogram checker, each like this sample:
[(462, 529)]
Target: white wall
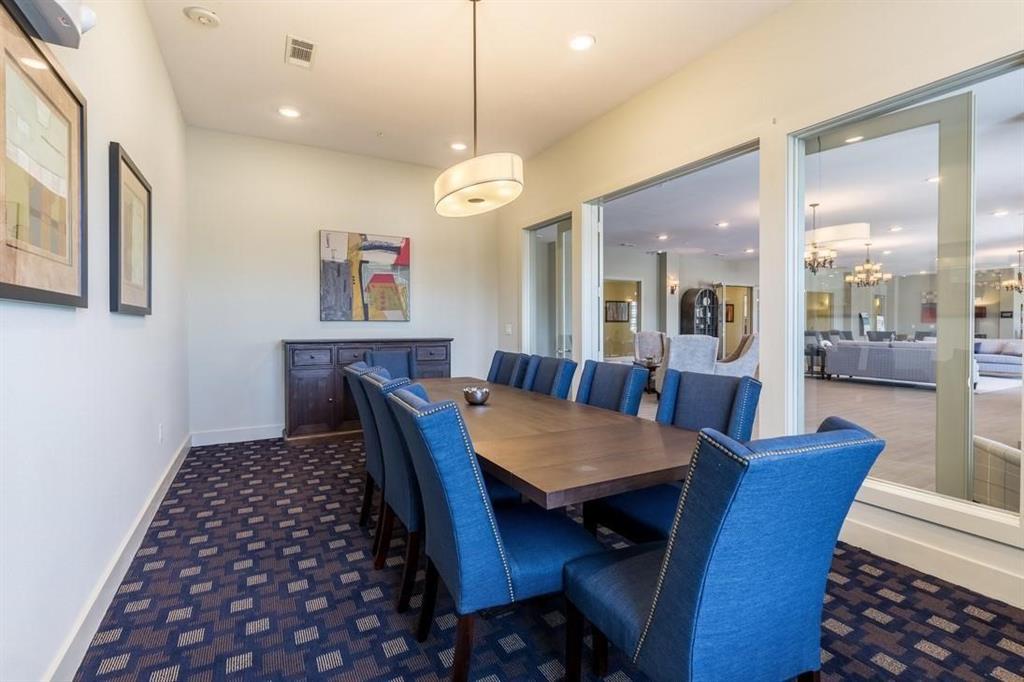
[(82, 392), (804, 64), (255, 209)]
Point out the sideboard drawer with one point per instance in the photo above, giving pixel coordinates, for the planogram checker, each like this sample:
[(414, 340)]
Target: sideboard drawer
[(307, 357), (348, 355), (438, 352), (433, 370)]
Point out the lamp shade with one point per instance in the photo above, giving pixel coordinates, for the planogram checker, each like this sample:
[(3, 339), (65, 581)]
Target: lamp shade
[(478, 185)]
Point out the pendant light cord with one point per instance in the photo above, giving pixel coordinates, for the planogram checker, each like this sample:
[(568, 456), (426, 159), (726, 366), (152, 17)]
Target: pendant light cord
[(474, 76)]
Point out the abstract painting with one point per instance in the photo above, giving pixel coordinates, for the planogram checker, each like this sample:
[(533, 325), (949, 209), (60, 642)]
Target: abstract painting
[(42, 225), (131, 231), (363, 277)]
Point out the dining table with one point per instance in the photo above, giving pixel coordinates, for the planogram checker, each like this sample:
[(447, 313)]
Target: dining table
[(559, 452)]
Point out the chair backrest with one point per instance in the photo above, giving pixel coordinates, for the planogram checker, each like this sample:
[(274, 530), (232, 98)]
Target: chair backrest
[(739, 350), (749, 552), (550, 376), (371, 440), (710, 401), (402, 491), (923, 335), (508, 368), (881, 336), (462, 537), (647, 344), (398, 363), (689, 353), (746, 364), (812, 341), (612, 385)]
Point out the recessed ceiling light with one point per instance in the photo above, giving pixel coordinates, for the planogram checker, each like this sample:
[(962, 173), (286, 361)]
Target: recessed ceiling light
[(724, 223), (459, 146), (934, 178), (851, 140), (895, 228), (887, 253), (582, 42), (749, 251), (33, 63), (202, 16), (289, 112), (999, 214), (923, 272), (662, 237)]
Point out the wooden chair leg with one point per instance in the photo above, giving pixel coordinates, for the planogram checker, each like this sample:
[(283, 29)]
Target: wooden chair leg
[(387, 523), (412, 560), (429, 600), (809, 676), (573, 642), (463, 648), (380, 526), (364, 510), (600, 651)]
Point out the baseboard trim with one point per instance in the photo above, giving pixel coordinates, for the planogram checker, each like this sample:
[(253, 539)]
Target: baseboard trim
[(67, 661), (983, 566), (237, 435)]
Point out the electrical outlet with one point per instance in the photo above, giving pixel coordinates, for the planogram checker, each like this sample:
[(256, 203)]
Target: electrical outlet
[(508, 329), (159, 433)]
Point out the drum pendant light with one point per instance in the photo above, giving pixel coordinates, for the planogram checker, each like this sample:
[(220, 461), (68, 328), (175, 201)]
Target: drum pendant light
[(482, 183)]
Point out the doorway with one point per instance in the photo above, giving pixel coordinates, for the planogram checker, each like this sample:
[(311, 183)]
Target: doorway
[(737, 317), (622, 315), (548, 309)]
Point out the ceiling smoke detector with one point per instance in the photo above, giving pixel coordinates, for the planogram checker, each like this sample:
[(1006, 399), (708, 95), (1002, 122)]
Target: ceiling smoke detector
[(298, 52), (202, 16)]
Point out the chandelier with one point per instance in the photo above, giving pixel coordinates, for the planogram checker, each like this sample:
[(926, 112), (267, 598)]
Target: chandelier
[(817, 258), (868, 274), (1016, 285), (482, 183)]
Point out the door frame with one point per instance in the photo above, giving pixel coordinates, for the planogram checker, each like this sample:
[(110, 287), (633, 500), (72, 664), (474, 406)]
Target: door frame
[(527, 282), (994, 524)]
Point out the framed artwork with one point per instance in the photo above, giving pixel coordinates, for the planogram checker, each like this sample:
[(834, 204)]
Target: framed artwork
[(616, 311), (980, 312), (929, 312), (43, 229), (131, 236), (363, 277), (730, 312)]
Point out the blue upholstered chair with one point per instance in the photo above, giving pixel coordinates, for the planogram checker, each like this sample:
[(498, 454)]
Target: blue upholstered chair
[(402, 492), (737, 593), (508, 368), (613, 386), (398, 363), (550, 376), (487, 556), (688, 401), (371, 441)]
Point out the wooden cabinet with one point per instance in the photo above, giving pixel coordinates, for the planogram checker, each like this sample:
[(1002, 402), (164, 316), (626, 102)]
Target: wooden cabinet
[(318, 399)]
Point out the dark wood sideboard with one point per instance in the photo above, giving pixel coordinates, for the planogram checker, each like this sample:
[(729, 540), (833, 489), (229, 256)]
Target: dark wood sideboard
[(317, 399)]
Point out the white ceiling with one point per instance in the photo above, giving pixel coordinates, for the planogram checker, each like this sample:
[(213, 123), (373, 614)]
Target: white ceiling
[(403, 67), (880, 181)]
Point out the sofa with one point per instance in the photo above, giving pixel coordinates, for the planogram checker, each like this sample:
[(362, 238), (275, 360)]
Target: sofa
[(893, 361), (998, 357)]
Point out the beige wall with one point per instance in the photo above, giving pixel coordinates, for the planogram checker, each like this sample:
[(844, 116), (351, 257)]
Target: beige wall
[(255, 209), (93, 405), (805, 64)]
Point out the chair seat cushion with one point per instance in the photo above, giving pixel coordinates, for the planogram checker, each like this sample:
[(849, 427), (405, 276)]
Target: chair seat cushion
[(640, 515), (501, 493), (538, 544), (614, 590)]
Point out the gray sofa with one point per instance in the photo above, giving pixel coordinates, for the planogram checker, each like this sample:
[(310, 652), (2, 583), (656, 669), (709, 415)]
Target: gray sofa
[(998, 357), (894, 361)]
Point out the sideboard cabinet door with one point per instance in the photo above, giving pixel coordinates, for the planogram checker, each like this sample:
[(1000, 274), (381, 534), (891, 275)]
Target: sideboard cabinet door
[(312, 401)]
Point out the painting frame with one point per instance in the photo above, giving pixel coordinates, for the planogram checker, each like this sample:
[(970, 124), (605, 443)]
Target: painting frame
[(119, 161), (365, 277), (730, 313), (616, 311), (26, 46)]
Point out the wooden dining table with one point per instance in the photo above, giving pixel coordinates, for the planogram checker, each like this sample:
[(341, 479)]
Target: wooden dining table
[(558, 452)]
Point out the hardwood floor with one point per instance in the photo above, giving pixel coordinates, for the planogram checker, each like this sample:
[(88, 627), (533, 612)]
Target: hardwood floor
[(905, 417)]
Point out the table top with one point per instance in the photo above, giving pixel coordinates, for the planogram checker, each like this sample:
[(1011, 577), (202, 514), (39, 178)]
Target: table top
[(557, 452)]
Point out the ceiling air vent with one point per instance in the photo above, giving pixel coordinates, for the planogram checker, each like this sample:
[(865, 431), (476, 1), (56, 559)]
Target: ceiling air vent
[(298, 52)]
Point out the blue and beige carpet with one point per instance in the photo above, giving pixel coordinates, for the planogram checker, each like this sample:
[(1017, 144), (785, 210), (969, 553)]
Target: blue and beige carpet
[(255, 568)]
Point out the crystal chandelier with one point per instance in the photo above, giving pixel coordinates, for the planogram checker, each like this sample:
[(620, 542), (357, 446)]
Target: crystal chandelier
[(868, 274), (482, 183), (1016, 285), (817, 258)]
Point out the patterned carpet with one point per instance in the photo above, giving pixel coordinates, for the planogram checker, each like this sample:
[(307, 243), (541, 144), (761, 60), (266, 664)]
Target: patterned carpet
[(255, 568)]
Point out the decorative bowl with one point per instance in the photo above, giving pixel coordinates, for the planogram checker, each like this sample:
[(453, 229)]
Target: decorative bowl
[(476, 395)]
